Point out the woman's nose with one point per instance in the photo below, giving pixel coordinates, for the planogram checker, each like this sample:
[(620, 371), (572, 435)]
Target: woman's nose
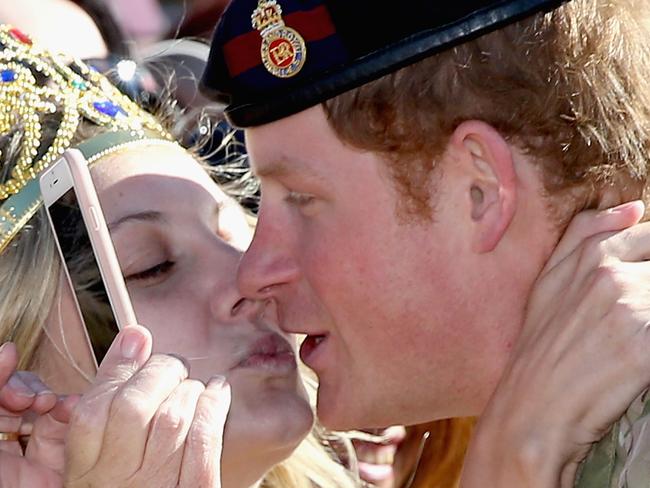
[(219, 270), (233, 308)]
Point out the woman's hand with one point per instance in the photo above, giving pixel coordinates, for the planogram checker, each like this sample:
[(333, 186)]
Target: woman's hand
[(145, 424), (21, 394), (582, 358)]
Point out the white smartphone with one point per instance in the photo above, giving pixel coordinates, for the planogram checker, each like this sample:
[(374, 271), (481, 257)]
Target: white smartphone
[(85, 246)]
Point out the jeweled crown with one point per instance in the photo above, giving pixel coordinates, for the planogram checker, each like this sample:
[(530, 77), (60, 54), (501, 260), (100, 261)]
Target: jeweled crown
[(34, 85)]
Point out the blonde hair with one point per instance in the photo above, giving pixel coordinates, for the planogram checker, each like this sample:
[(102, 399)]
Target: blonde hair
[(29, 278), (570, 87)]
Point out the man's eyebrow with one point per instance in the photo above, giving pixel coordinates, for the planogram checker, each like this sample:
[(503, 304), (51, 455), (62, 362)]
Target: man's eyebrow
[(282, 169), (275, 169), (145, 216)]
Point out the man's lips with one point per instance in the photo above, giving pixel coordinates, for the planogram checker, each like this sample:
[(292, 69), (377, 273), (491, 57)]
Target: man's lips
[(310, 347), (271, 353)]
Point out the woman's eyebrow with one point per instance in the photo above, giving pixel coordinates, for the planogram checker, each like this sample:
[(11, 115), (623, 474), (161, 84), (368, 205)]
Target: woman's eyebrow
[(145, 216)]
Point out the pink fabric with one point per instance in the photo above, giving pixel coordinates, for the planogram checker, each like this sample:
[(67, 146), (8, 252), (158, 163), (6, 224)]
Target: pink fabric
[(140, 19)]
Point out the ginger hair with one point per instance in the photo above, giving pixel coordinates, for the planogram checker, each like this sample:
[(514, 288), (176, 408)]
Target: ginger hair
[(569, 87)]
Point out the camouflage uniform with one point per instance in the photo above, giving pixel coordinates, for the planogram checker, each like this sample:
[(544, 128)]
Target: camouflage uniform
[(622, 458)]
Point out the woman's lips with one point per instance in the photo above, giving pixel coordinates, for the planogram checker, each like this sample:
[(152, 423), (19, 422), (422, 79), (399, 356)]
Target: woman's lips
[(270, 353)]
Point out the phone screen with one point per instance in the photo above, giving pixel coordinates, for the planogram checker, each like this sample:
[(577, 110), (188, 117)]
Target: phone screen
[(83, 270)]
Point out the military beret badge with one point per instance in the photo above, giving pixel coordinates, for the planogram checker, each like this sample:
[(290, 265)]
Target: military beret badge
[(283, 50)]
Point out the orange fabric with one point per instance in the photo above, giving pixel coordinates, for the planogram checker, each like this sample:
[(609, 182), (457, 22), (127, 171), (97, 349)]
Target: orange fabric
[(442, 458)]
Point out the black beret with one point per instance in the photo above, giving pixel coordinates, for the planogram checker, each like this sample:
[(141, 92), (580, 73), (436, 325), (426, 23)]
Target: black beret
[(272, 58)]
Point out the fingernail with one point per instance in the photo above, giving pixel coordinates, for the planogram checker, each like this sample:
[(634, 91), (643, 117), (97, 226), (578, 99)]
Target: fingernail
[(217, 381), (20, 388), (6, 346), (181, 359), (625, 206), (132, 343)]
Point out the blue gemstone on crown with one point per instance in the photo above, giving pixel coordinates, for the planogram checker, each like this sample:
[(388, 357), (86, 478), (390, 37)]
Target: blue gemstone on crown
[(8, 75), (79, 85), (109, 108)]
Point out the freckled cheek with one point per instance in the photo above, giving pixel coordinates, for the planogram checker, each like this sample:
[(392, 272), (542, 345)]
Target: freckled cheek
[(343, 275), (327, 259)]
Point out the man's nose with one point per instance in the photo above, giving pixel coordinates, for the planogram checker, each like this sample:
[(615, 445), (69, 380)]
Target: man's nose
[(268, 265)]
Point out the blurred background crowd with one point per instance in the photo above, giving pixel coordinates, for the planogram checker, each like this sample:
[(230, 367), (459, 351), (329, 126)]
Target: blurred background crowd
[(122, 25)]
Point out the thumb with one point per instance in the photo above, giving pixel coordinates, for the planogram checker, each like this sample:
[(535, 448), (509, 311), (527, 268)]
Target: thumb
[(591, 222), (129, 352)]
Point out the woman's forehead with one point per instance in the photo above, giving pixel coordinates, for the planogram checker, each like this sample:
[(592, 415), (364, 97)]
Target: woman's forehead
[(153, 176), (153, 159)]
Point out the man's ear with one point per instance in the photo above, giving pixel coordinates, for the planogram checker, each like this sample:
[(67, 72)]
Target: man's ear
[(492, 182)]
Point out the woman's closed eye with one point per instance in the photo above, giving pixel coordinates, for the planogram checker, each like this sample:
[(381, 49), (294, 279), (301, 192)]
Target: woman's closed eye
[(152, 274)]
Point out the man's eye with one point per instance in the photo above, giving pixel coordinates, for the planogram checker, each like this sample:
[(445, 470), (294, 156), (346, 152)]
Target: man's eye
[(152, 273), (299, 199)]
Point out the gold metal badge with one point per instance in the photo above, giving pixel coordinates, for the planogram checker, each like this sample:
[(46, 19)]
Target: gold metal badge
[(283, 49)]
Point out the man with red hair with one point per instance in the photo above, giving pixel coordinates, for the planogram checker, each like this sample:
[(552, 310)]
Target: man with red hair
[(419, 163)]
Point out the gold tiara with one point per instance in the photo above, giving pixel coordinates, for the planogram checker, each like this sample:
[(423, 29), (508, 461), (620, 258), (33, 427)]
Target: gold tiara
[(34, 85)]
